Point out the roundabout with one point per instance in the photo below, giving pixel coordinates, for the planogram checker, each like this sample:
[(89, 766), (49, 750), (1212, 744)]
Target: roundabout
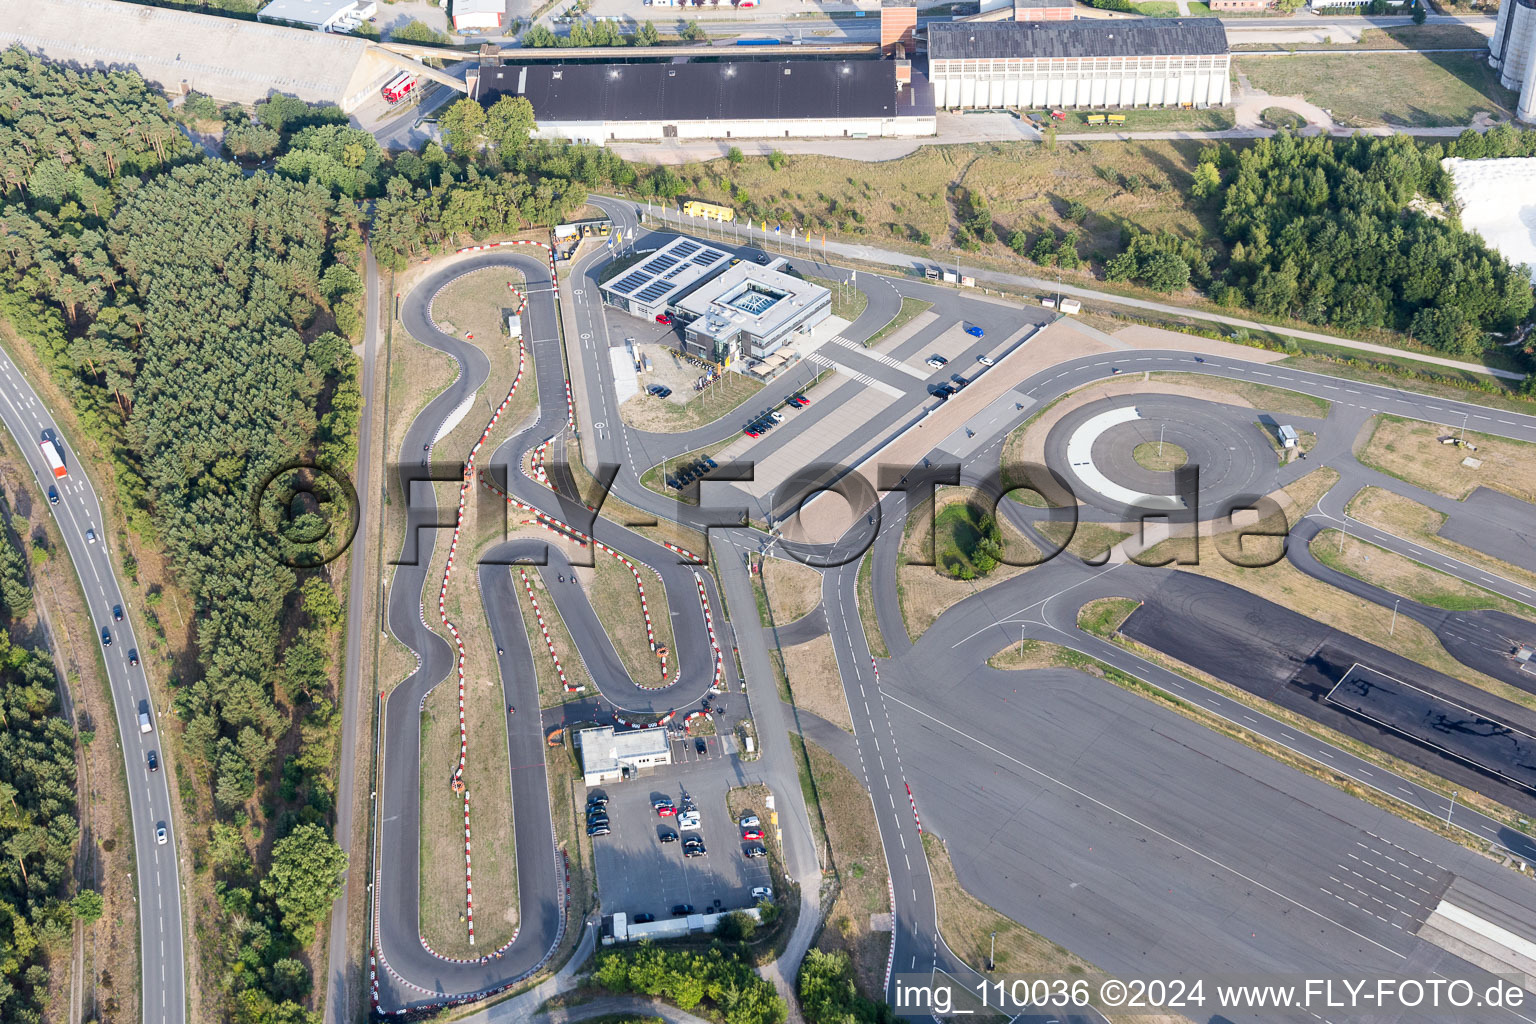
[(1124, 456)]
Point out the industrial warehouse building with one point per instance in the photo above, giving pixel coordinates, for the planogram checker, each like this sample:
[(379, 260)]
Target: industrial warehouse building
[(600, 103), (324, 15), (652, 285), (607, 755), (1150, 62), (478, 15), (1513, 52)]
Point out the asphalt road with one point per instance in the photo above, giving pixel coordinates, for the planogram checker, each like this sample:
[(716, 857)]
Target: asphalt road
[(341, 993), (161, 957)]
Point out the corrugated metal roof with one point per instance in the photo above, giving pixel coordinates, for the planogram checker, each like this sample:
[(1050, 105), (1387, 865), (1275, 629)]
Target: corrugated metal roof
[(1143, 37), (725, 91)]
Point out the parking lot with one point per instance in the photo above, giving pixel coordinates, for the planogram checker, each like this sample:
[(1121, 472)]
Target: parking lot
[(639, 874)]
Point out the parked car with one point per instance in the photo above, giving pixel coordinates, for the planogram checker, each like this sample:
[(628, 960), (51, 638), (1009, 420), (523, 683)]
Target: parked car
[(695, 851), (700, 746), (749, 820), (53, 495), (936, 361), (643, 918), (597, 801), (667, 812), (662, 318), (752, 833), (160, 835), (974, 331), (668, 836), (682, 910), (117, 613), (154, 762), (754, 852), (133, 655), (106, 637), (598, 830), (761, 257), (761, 893), (984, 361), (662, 802)]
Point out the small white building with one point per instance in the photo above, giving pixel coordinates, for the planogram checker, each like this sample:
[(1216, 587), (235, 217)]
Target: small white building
[(479, 15), (607, 755), (1145, 62), (324, 15), (1288, 436)]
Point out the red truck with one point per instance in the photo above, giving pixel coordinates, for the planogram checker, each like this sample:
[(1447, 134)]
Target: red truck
[(397, 88), (52, 452)]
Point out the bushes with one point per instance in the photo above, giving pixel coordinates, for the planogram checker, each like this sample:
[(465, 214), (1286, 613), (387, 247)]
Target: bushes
[(828, 996), (715, 979)]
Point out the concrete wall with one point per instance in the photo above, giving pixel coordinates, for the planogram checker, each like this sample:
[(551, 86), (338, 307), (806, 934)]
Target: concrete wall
[(1082, 82)]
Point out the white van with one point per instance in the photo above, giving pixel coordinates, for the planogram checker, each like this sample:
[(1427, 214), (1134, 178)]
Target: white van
[(144, 723)]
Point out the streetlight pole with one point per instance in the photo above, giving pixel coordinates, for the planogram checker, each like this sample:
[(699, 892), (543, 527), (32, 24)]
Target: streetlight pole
[(1394, 616), (1343, 533), (1452, 808), (992, 957)]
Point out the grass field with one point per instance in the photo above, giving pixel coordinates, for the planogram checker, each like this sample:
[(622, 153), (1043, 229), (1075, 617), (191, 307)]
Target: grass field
[(665, 416), (793, 587), (907, 203), (1104, 616), (848, 302), (1089, 540), (1411, 450), (909, 309), (1405, 37), (617, 604), (1428, 90), (1159, 456), (861, 874), (866, 592), (1414, 521), (1404, 576), (477, 303), (815, 681), (924, 591), (1260, 396), (551, 693)]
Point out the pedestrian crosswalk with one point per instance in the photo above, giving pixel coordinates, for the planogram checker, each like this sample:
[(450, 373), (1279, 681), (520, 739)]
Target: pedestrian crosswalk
[(881, 357), (819, 360)]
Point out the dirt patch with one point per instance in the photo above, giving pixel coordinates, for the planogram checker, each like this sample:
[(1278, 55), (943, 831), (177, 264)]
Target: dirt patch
[(793, 588), (1411, 450), (859, 866), (478, 303), (816, 682), (1412, 520), (685, 408)]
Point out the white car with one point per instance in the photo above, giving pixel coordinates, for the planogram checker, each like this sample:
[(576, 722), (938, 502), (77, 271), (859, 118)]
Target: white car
[(90, 535), (159, 835), (748, 820), (761, 893), (984, 361), (936, 361)]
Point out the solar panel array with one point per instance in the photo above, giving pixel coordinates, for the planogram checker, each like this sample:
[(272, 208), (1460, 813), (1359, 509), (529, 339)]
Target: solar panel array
[(680, 262)]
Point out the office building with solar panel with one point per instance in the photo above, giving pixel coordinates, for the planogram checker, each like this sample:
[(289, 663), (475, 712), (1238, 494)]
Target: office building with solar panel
[(724, 311)]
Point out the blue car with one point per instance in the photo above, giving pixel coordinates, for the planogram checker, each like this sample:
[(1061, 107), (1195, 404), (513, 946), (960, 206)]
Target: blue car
[(974, 331)]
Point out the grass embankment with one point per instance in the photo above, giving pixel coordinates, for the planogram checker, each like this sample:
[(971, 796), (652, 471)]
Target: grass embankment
[(1411, 450), (551, 692), (948, 541), (817, 684), (848, 301), (1428, 90), (858, 867), (1089, 541), (867, 618), (1417, 522), (1404, 576), (793, 587), (910, 308)]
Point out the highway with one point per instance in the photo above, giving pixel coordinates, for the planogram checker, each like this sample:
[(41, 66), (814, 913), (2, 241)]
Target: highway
[(161, 956)]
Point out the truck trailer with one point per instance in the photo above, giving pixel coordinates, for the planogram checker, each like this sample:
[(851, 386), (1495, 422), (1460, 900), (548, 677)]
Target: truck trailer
[(54, 455)]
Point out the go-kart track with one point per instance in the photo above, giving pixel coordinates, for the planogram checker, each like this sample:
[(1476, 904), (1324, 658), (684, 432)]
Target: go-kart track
[(1139, 839)]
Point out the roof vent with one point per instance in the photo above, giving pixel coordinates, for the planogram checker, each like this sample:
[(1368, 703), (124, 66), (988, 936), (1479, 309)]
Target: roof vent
[(786, 71), (557, 74), (671, 73)]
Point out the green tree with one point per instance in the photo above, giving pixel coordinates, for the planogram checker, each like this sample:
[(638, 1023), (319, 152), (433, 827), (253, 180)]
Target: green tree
[(1165, 272), (462, 126), (1206, 182), (693, 32), (647, 35), (1419, 14), (305, 878), (87, 905), (509, 122)]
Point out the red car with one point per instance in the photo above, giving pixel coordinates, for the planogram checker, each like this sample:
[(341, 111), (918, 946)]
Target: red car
[(752, 833), (667, 812), (662, 318), (750, 432), (801, 401)]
